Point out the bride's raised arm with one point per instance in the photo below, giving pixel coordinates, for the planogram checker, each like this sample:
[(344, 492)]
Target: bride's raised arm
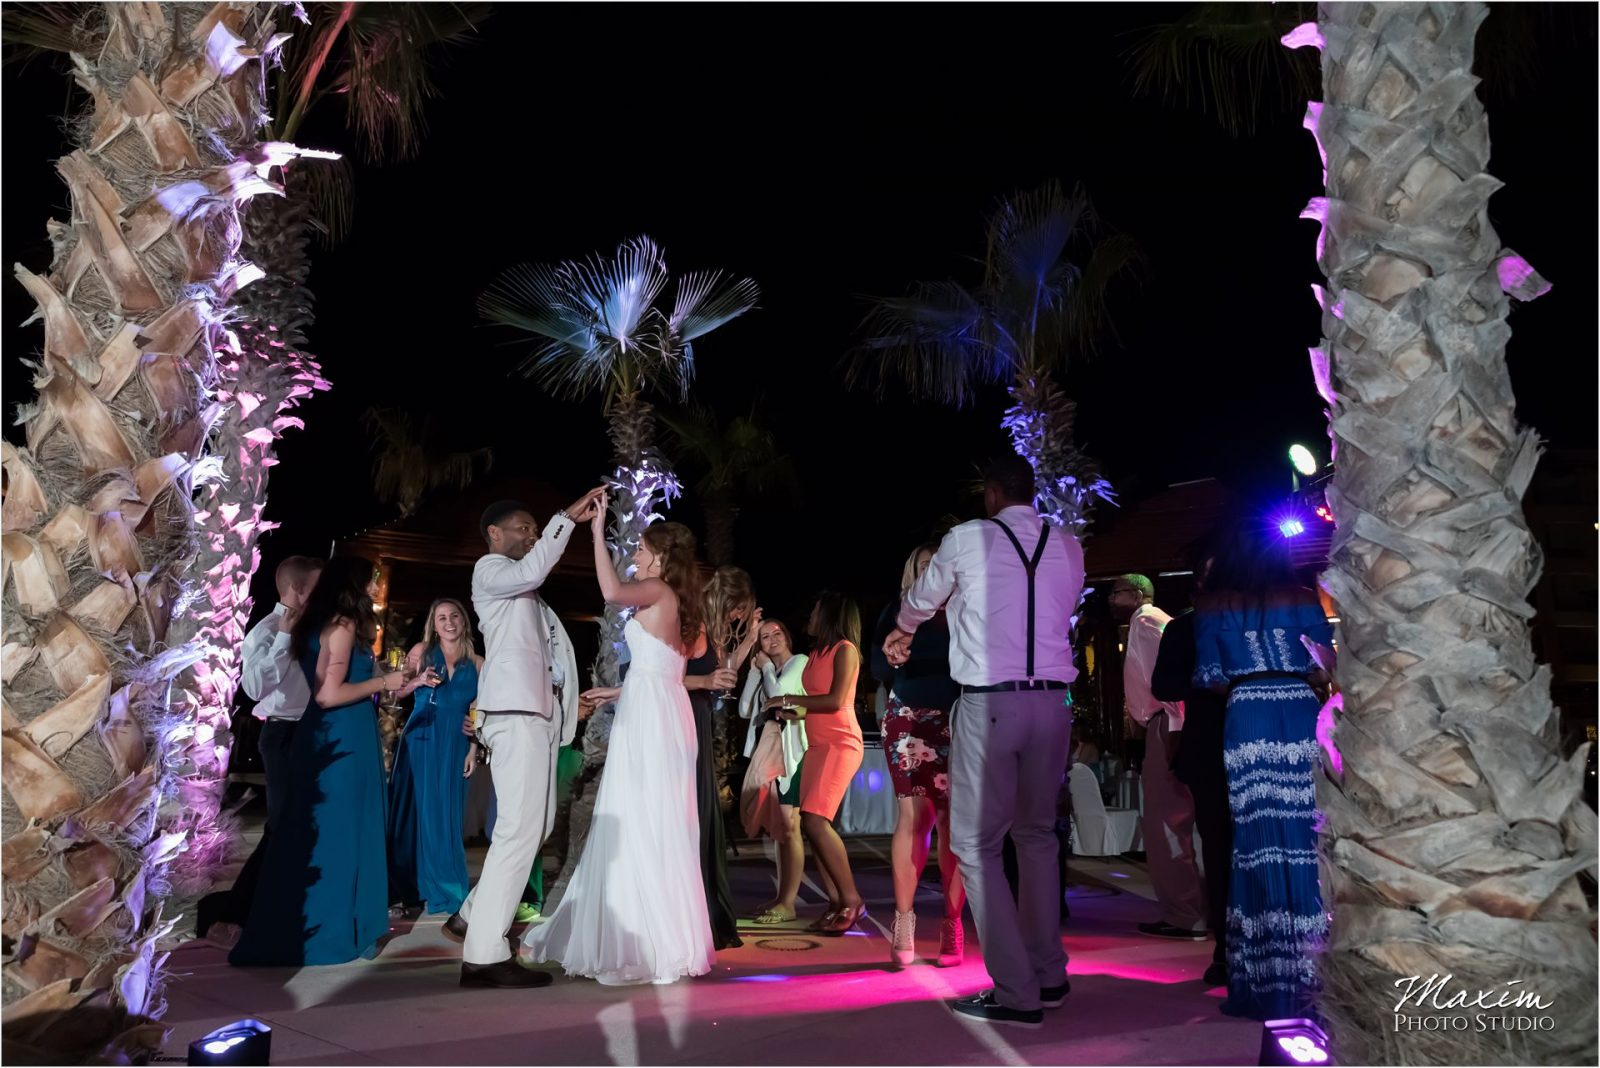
[(613, 587)]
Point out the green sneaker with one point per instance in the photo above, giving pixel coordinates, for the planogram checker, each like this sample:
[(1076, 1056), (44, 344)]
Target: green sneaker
[(526, 913)]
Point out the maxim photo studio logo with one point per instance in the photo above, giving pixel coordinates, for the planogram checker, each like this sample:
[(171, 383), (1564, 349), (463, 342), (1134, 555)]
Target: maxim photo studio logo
[(1433, 1004)]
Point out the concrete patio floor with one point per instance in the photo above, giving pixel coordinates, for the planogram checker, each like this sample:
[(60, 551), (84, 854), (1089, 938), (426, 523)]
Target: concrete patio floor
[(785, 998)]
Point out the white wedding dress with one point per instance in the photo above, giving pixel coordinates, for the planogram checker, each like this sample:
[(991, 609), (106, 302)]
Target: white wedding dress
[(635, 910)]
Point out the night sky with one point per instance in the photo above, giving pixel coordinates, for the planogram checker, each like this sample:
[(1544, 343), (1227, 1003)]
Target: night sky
[(830, 153)]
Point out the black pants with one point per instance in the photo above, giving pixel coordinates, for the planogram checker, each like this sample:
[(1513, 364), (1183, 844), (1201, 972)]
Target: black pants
[(233, 905), (1207, 781)]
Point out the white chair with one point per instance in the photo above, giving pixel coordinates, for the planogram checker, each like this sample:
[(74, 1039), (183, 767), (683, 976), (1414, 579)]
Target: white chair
[(1097, 830)]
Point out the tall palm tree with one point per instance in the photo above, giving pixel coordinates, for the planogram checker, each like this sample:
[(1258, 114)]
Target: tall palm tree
[(114, 751), (737, 458), (407, 464), (1034, 311), (602, 331), (1454, 830)]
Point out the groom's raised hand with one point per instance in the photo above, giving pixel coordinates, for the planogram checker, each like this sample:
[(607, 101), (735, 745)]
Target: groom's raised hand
[(580, 510)]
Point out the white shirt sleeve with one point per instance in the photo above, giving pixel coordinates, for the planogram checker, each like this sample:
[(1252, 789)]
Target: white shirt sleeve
[(266, 658), (933, 589), (501, 576), (754, 695)]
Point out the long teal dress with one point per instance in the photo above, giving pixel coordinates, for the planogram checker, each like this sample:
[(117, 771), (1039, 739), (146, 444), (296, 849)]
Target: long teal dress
[(428, 793), (323, 897)]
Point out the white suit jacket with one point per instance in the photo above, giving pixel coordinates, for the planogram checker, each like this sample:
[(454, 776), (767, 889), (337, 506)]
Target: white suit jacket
[(525, 646)]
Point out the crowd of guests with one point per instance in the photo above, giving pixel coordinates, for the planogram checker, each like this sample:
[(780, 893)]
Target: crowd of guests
[(975, 657)]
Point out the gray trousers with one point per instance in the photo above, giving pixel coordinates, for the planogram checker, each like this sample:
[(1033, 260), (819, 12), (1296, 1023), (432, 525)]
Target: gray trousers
[(1008, 755), (1169, 834)]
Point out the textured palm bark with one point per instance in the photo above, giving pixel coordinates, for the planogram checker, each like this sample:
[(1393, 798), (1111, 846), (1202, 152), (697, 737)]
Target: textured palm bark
[(1455, 832), (114, 750)]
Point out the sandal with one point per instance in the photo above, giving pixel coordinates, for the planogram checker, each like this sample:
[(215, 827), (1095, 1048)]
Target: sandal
[(825, 921), (772, 917), (845, 919)]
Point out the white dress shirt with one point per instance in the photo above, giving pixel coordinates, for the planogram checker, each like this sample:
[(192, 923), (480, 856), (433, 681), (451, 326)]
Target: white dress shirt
[(1139, 664), (516, 675), (270, 673), (761, 686), (978, 572)]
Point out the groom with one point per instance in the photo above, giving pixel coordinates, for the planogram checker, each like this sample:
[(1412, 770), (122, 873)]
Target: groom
[(523, 726)]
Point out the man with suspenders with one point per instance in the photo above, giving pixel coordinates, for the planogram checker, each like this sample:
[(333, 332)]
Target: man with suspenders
[(1011, 585)]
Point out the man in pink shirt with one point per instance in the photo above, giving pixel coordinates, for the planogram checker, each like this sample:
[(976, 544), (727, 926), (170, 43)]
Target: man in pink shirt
[(1168, 807)]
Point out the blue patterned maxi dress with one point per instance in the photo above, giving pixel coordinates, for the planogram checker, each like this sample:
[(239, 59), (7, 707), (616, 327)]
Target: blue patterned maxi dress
[(1275, 916)]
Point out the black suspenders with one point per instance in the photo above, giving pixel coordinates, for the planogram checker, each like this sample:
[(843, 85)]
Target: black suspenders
[(1031, 566)]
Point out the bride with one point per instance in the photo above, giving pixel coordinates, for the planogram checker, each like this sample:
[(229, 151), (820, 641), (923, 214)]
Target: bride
[(635, 910)]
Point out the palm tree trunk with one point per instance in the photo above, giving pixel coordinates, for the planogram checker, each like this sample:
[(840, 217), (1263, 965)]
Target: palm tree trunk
[(1040, 422), (640, 483), (1455, 830), (113, 758)]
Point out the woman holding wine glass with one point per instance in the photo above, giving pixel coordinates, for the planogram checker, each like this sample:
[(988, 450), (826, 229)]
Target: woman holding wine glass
[(732, 620)]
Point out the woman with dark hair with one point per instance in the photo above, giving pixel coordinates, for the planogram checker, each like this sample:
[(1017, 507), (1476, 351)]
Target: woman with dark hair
[(428, 787), (732, 620), (323, 896), (916, 744), (635, 910), (1251, 627), (833, 747)]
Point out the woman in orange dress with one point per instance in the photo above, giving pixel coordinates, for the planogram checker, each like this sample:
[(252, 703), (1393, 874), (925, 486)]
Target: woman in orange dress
[(834, 748)]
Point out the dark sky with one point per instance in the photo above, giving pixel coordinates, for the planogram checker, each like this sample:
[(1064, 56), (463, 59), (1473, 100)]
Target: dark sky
[(829, 156)]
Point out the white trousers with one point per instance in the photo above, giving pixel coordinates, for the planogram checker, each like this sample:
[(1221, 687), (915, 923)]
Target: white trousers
[(524, 748), (1169, 834)]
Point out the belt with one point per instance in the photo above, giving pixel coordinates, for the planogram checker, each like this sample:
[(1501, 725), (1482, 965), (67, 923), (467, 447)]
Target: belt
[(1267, 676), (1010, 687)]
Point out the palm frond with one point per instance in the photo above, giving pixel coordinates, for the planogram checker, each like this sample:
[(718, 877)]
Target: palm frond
[(620, 293), (28, 29), (601, 325), (1084, 317), (1029, 233), (708, 299), (329, 188), (379, 58), (406, 466), (937, 340), (1227, 60)]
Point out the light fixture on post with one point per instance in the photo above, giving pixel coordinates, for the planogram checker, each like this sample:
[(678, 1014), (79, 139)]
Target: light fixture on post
[(241, 1042), (1303, 462), (1296, 1043)]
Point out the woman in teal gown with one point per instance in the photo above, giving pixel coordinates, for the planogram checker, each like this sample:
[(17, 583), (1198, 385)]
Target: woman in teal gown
[(428, 788), (322, 897)]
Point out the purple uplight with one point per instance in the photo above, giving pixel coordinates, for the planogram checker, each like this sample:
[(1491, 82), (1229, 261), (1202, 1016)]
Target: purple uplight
[(1303, 1049), (769, 978), (1291, 527)]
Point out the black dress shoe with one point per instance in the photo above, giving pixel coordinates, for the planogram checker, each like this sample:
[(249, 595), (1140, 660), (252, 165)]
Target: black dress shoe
[(984, 1007), (207, 911), (1216, 974), (1163, 929), (1053, 997), (502, 973), (455, 928)]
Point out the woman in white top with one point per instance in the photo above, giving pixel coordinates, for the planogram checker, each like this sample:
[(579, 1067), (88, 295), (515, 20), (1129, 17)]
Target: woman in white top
[(769, 800)]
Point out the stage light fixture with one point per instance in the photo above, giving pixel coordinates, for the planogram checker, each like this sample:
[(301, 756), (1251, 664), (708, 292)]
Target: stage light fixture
[(1295, 1043), (1303, 460), (1291, 527), (241, 1042)]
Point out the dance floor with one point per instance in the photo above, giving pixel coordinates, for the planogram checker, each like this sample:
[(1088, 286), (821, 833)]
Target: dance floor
[(785, 998)]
